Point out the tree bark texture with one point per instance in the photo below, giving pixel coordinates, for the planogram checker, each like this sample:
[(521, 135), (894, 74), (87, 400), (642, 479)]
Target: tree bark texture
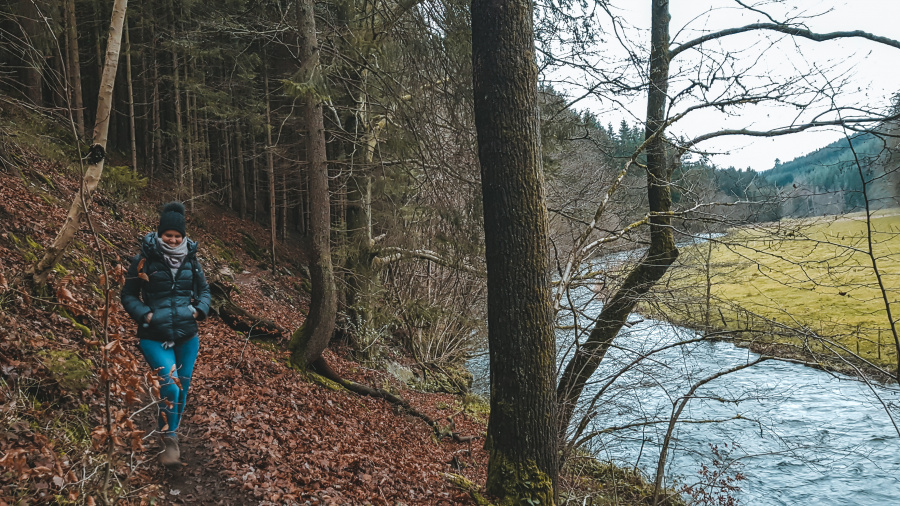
[(157, 119), (662, 252), (74, 67), (360, 279), (270, 167), (97, 155), (239, 163), (33, 59), (134, 162), (179, 137), (310, 340), (522, 436)]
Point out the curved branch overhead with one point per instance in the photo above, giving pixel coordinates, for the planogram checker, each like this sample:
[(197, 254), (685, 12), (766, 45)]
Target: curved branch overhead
[(794, 31)]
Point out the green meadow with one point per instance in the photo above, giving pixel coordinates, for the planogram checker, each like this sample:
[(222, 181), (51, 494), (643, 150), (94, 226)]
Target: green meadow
[(814, 275)]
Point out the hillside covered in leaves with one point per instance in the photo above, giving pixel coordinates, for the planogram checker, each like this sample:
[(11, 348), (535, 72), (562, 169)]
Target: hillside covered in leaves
[(256, 432)]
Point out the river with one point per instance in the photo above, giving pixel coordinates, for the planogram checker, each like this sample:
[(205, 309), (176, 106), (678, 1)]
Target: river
[(798, 435)]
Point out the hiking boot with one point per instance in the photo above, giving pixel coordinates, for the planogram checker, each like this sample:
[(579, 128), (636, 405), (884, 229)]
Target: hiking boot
[(171, 454)]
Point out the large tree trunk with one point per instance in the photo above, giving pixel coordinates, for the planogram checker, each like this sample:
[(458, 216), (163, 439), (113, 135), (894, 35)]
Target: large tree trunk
[(74, 66), (97, 155), (310, 340), (522, 437), (662, 252)]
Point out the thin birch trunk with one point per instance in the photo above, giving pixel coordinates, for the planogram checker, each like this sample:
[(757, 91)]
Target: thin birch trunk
[(96, 156)]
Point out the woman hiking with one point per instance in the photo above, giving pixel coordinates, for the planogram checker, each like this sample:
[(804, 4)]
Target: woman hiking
[(166, 293)]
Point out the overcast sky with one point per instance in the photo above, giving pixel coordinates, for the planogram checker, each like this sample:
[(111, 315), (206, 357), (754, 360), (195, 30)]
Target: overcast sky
[(871, 70)]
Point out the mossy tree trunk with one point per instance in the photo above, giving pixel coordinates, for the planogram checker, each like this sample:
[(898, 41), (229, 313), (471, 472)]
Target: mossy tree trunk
[(310, 340), (360, 273), (522, 436), (662, 252), (363, 276)]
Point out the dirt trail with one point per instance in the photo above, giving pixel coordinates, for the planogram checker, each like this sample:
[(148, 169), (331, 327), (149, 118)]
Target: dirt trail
[(198, 482)]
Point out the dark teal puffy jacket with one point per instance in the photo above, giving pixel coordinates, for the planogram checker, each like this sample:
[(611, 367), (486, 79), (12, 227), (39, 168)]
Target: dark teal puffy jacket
[(171, 299)]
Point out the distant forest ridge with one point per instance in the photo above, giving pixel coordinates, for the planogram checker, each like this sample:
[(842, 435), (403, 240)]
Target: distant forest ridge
[(829, 181)]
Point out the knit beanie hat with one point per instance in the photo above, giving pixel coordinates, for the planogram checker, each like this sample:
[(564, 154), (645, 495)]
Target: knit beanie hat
[(171, 218)]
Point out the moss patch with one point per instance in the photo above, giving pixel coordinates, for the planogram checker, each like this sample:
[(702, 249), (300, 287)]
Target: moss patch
[(606, 484), (518, 482), (71, 371)]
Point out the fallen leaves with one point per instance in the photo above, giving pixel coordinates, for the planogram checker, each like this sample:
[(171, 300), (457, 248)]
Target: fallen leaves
[(260, 426)]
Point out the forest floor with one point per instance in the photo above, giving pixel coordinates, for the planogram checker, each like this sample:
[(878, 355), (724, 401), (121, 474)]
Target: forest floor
[(255, 431)]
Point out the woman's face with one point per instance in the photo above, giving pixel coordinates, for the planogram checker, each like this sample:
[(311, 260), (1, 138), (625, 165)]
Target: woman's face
[(172, 238)]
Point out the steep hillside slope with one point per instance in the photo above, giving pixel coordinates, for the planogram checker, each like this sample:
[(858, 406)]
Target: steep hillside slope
[(257, 432)]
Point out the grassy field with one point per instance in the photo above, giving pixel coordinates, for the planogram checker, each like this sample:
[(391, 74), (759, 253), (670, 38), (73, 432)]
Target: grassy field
[(815, 274)]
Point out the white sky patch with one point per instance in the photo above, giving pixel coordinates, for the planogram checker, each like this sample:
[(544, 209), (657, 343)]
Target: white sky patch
[(870, 71)]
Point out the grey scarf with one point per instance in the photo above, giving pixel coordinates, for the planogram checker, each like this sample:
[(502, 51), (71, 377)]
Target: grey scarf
[(174, 256)]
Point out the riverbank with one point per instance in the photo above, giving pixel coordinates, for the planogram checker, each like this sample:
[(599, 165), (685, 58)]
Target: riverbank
[(832, 363), (803, 289), (817, 353)]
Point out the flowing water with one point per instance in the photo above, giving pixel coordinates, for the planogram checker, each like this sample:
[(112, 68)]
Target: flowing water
[(798, 435)]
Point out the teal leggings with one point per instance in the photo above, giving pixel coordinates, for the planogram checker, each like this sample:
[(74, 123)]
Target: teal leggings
[(182, 356)]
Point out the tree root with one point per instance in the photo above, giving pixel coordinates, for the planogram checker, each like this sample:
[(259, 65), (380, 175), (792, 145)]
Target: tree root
[(236, 317), (262, 329), (321, 367)]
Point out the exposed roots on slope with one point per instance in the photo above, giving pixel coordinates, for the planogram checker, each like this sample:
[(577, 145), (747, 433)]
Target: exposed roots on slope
[(262, 329)]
